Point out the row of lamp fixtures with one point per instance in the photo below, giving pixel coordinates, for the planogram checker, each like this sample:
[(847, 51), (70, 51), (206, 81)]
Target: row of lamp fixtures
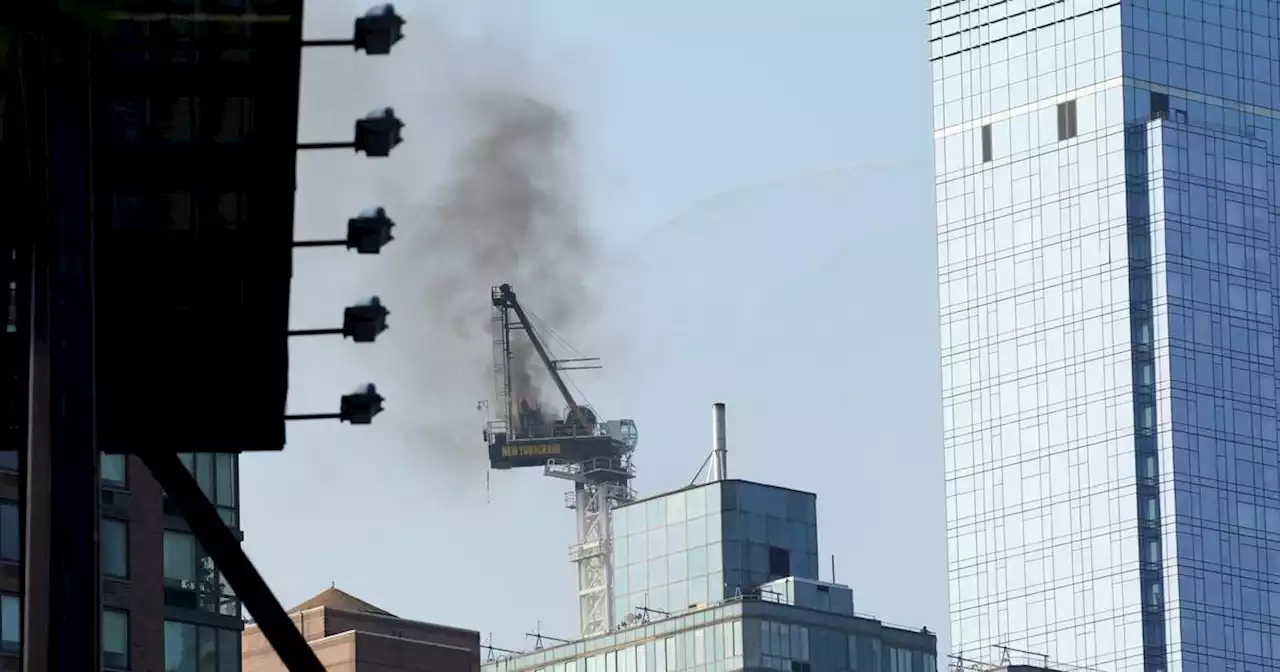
[(375, 135)]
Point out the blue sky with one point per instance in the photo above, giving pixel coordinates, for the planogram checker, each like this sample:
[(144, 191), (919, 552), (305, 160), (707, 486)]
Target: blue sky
[(760, 182)]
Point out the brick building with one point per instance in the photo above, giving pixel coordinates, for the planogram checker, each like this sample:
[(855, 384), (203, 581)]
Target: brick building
[(171, 610), (164, 605), (351, 635)]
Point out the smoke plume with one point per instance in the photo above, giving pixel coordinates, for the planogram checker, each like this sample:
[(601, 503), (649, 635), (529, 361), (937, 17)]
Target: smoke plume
[(506, 210), (509, 214)]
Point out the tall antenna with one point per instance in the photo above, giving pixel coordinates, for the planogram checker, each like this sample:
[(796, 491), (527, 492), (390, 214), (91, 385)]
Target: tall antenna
[(1005, 659), (491, 649), (538, 637)]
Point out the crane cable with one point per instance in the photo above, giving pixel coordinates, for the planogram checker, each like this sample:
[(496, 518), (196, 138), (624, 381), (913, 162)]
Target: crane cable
[(544, 328)]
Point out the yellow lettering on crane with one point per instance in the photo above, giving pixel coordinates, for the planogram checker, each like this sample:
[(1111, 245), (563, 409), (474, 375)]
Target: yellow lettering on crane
[(531, 450)]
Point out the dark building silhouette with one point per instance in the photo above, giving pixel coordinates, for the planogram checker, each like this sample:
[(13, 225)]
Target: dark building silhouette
[(188, 141)]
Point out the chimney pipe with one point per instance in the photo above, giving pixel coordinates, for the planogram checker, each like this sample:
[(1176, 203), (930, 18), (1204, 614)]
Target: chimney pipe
[(719, 453)]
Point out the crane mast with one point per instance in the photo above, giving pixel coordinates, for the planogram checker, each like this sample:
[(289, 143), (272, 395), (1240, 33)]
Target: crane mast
[(595, 456)]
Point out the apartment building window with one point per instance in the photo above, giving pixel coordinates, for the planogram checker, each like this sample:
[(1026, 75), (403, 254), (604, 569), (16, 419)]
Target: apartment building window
[(199, 648), (233, 37), (234, 119), (128, 211), (176, 210), (987, 144), (176, 119), (114, 548), (114, 470), (228, 210), (1151, 592), (779, 562), (191, 580), (1151, 551), (128, 120), (115, 639), (179, 559), (216, 473), (10, 623), (1147, 467), (181, 37), (902, 660), (1067, 120), (1147, 418), (1159, 105), (11, 320), (10, 532), (1149, 508), (126, 42)]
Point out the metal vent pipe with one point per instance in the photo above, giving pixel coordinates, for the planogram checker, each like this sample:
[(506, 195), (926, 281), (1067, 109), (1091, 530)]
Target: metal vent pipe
[(719, 453)]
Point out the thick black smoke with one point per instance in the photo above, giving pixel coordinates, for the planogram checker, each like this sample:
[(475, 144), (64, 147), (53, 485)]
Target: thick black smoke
[(509, 213), (505, 210)]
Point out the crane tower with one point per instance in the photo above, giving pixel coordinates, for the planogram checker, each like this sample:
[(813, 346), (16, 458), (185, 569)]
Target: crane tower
[(595, 456)]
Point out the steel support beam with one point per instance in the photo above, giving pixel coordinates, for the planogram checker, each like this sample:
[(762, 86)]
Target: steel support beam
[(229, 557), (24, 83), (74, 583)]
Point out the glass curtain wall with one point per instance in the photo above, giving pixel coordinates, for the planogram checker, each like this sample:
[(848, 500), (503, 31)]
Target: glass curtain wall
[(1034, 277), (1107, 255)]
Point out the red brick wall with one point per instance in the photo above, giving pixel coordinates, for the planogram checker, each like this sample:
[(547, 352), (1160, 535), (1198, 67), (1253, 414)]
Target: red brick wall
[(337, 654), (397, 645), (377, 653), (145, 601), (141, 594), (342, 621)]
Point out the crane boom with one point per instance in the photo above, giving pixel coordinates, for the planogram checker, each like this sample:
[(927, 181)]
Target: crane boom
[(508, 296)]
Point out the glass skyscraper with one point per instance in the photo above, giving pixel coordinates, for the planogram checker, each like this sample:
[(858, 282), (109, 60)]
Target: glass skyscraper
[(712, 542), (1108, 270), (723, 577)]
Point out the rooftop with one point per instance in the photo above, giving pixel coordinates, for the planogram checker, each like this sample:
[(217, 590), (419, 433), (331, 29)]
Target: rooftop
[(657, 626), (334, 598), (695, 486)]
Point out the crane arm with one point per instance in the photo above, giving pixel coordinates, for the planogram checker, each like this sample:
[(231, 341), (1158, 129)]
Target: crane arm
[(509, 297)]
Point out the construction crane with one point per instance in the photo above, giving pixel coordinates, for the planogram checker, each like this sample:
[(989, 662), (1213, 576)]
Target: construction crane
[(578, 447)]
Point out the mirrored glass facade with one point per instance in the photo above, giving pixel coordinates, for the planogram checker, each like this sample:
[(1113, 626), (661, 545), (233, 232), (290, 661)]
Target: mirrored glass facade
[(709, 542), (1108, 273), (688, 571)]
